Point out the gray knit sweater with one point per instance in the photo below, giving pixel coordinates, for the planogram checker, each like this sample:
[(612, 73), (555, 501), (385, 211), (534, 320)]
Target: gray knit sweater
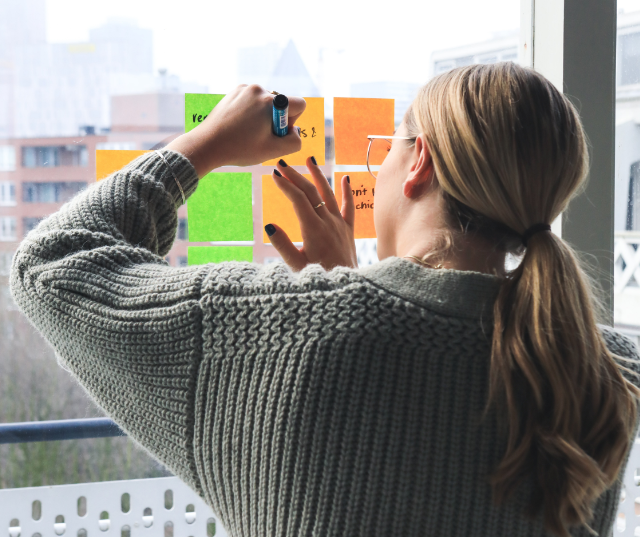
[(342, 403)]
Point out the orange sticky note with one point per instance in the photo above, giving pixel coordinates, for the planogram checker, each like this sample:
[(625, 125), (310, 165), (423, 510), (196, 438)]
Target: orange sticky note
[(112, 160), (277, 209), (363, 186), (311, 124), (353, 120)]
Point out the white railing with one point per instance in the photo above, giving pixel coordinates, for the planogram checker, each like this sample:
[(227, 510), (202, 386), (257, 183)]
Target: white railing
[(161, 507), (628, 521), (626, 251)]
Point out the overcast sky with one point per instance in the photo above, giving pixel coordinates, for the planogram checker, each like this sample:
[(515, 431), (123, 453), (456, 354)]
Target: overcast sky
[(386, 40)]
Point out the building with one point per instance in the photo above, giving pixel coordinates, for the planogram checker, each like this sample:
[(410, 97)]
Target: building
[(55, 89), (276, 67)]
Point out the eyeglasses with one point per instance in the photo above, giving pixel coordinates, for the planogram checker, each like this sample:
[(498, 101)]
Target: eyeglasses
[(379, 146)]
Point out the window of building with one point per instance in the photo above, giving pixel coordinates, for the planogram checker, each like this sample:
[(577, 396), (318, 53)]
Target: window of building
[(8, 228), (7, 158), (181, 261), (630, 58), (183, 233), (54, 156), (7, 193), (50, 192), (5, 263), (29, 223)]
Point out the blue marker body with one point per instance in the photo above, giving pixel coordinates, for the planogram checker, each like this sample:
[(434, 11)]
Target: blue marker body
[(280, 115)]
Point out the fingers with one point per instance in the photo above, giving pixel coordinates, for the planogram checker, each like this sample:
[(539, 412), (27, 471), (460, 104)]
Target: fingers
[(281, 242), (301, 204), (303, 184), (297, 106), (348, 210), (323, 186)]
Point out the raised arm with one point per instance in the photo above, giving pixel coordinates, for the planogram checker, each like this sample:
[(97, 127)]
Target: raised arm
[(93, 280)]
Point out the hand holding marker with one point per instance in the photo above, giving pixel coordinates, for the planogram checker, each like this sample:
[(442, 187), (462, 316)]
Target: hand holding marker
[(280, 115), (327, 230)]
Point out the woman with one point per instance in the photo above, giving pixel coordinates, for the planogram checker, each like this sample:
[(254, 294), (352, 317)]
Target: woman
[(434, 393)]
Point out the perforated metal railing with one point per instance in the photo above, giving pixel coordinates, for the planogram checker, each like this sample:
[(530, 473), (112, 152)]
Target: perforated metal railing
[(160, 507)]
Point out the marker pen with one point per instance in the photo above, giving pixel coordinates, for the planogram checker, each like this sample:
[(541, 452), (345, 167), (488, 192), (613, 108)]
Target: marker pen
[(280, 115)]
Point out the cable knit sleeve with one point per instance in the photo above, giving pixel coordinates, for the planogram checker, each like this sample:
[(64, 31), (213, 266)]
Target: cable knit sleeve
[(93, 280)]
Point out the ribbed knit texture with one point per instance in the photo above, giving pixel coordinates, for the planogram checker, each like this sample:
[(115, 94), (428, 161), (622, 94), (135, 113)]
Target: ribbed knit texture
[(343, 403)]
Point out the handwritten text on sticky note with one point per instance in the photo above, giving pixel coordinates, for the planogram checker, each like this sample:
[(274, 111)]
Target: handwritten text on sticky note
[(311, 124), (353, 120), (197, 107), (363, 187)]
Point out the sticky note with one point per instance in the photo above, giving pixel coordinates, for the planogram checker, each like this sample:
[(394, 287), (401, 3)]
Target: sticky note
[(112, 160), (197, 107), (311, 124), (220, 209), (277, 209), (201, 255), (363, 186), (354, 120)]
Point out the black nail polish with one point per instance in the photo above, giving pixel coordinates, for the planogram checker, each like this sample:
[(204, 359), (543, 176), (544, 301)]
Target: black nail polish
[(348, 180), (313, 159), (270, 229), (282, 163), (275, 170)]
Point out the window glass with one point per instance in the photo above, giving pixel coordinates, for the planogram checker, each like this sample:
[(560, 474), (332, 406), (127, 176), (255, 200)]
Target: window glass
[(627, 166), (77, 77)]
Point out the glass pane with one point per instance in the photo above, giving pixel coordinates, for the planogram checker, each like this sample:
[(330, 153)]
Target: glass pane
[(113, 77), (627, 162)]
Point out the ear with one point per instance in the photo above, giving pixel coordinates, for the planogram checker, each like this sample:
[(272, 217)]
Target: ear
[(421, 173)]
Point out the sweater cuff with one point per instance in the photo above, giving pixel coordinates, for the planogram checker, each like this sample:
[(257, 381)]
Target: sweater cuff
[(179, 167)]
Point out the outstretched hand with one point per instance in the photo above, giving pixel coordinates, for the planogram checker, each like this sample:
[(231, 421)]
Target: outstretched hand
[(238, 132), (327, 230)]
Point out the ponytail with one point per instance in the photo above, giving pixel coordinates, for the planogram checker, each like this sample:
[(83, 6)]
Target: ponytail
[(550, 365), (509, 152)]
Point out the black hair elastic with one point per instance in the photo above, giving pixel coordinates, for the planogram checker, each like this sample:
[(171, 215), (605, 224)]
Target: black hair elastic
[(534, 229)]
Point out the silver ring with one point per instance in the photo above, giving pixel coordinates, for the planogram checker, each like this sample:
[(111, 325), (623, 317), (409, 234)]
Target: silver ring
[(319, 205)]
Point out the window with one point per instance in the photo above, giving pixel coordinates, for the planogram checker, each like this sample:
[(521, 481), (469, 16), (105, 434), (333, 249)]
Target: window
[(7, 194), (182, 229), (5, 263), (29, 223), (7, 158), (51, 192), (8, 228), (54, 156), (181, 261), (630, 58)]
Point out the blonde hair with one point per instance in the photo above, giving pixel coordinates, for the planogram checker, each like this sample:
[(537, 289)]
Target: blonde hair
[(509, 151)]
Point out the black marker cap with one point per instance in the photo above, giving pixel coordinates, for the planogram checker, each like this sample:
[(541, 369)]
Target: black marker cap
[(280, 102)]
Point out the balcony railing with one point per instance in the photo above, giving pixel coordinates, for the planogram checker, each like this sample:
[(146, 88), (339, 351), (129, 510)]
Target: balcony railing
[(626, 261), (160, 507)]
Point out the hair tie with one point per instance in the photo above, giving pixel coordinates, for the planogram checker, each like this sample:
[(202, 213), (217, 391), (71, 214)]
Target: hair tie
[(534, 229)]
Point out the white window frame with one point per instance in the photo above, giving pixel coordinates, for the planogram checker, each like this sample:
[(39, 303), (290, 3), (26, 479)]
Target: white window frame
[(7, 158), (8, 194), (8, 228)]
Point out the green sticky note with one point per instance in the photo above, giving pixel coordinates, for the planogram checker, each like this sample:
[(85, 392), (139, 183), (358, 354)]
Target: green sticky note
[(197, 107), (220, 209), (201, 255)]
